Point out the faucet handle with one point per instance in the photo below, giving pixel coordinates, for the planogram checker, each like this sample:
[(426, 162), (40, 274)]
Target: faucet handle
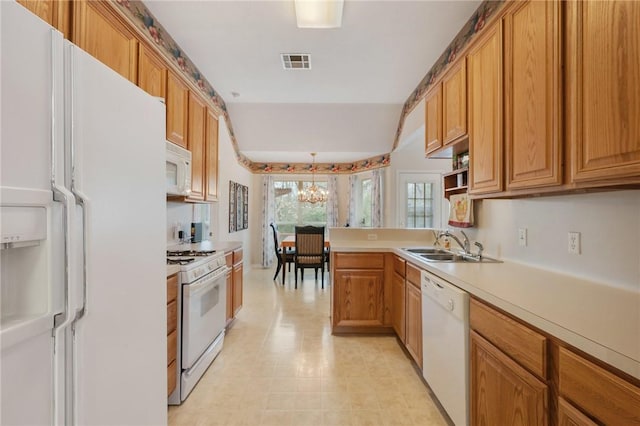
[(480, 248)]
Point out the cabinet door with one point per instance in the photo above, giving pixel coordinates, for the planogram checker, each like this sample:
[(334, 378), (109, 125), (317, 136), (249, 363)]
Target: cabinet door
[(454, 102), (603, 70), (359, 295), (237, 288), (532, 95), (502, 392), (211, 156), (152, 73), (398, 304), (98, 31), (433, 119), (196, 132), (229, 296), (54, 12), (413, 334), (568, 415), (177, 110), (484, 64)]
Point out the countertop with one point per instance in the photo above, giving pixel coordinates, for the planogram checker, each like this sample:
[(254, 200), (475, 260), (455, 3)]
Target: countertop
[(600, 320), (225, 246)]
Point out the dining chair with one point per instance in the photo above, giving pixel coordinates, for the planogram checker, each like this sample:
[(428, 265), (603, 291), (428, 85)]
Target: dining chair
[(284, 255), (309, 250)]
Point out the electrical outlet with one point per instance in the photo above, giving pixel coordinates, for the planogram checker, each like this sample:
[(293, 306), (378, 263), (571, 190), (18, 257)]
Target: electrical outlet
[(522, 237), (372, 237), (574, 242)]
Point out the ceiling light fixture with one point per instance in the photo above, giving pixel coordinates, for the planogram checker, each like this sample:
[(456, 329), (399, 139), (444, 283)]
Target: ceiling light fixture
[(312, 194), (319, 13)]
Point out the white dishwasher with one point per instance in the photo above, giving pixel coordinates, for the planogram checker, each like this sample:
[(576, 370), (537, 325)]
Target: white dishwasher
[(445, 345)]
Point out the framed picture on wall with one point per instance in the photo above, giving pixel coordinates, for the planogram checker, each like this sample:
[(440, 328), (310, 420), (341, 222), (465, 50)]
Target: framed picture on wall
[(238, 207)]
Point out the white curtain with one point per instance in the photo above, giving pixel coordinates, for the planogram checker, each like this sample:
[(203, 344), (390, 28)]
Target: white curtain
[(353, 192), (268, 217), (377, 195), (332, 201)]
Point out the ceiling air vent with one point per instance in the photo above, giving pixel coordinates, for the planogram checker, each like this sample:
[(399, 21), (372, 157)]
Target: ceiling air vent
[(296, 61)]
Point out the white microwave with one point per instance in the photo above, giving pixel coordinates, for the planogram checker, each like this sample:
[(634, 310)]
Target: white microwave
[(178, 170)]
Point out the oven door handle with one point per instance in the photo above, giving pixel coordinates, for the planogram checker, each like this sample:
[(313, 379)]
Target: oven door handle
[(206, 283)]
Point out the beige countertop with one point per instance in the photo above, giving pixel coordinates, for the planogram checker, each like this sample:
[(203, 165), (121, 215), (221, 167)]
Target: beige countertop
[(601, 320)]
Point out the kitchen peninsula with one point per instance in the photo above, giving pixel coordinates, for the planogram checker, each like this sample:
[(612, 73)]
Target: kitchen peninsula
[(574, 327)]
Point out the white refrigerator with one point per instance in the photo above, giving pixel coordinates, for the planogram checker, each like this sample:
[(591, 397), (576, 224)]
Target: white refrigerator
[(82, 211)]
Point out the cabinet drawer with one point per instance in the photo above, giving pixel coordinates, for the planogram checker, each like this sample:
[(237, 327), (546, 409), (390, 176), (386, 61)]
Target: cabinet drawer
[(228, 257), (568, 415), (399, 265), (359, 260), (598, 392), (171, 377), (172, 316), (172, 288), (413, 275), (237, 256), (172, 346), (515, 339)]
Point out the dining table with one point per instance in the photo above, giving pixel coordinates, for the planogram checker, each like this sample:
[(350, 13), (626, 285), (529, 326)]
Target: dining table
[(290, 242)]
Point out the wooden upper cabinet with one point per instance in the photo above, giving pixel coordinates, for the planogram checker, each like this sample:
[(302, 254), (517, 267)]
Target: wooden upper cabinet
[(54, 12), (98, 31), (502, 392), (177, 110), (152, 73), (603, 71), (196, 129), (211, 156), (532, 95), (433, 119), (484, 63), (454, 102)]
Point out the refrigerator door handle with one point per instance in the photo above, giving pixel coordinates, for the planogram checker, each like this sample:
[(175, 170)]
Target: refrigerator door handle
[(61, 194)]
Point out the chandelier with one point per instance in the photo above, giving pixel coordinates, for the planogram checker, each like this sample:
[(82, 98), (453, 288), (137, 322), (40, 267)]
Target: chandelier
[(312, 194)]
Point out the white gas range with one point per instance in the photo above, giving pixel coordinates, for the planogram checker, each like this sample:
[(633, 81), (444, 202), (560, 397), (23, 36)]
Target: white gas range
[(201, 313)]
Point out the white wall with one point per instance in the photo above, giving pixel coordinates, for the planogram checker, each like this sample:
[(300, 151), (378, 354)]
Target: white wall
[(182, 214), (609, 224), (229, 169), (409, 157)]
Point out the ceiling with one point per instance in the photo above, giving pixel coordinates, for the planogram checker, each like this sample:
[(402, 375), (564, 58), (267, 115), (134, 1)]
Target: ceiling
[(347, 106)]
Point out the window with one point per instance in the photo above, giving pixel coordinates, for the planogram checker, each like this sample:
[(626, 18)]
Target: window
[(290, 212), (419, 211), (365, 204), (419, 200)]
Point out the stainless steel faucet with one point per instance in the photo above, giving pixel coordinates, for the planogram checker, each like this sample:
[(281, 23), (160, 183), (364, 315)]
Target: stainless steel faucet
[(466, 245)]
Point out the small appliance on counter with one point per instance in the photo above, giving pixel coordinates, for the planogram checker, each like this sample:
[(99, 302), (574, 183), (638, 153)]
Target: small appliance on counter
[(196, 232)]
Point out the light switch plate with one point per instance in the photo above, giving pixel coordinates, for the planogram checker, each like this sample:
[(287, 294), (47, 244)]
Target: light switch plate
[(574, 243), (522, 237)]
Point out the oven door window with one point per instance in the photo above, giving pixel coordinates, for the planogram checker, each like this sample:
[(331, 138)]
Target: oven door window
[(209, 300)]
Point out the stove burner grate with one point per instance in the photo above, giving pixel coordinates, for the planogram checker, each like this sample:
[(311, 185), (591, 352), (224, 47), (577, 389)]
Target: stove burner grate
[(190, 252), (183, 261)]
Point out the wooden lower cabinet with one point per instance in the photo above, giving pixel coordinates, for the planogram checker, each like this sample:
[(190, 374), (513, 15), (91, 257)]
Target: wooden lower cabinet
[(413, 332), (568, 415), (597, 392), (229, 260), (398, 289), (172, 332), (502, 392), (358, 293), (237, 278)]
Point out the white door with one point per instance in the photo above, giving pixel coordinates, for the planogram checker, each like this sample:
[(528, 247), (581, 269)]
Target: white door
[(419, 200), (32, 273), (118, 143)]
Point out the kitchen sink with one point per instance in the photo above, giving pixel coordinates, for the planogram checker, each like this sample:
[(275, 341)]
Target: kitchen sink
[(426, 250), (434, 254)]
